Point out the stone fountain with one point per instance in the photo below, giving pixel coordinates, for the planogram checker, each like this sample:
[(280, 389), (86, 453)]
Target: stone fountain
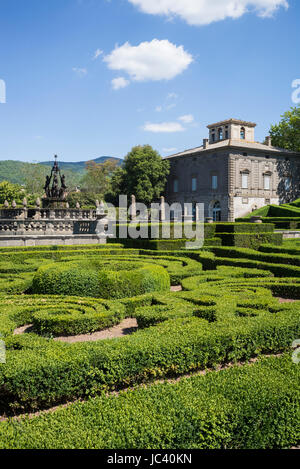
[(52, 221)]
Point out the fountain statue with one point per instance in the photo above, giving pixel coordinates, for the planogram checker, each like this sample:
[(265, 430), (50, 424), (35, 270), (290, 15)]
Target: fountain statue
[(51, 221)]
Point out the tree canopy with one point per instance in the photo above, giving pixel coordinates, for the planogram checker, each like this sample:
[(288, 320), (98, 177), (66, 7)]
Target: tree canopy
[(286, 134), (34, 176), (98, 176), (144, 174), (10, 192)]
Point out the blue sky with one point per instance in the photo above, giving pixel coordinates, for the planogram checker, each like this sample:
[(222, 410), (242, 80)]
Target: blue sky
[(86, 78)]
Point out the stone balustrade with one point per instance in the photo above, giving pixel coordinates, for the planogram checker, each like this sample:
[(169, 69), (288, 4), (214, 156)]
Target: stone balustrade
[(45, 214), (48, 222), (38, 227)]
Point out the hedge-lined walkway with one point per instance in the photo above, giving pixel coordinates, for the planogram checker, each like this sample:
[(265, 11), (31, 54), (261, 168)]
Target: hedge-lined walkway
[(217, 369), (254, 406), (226, 312)]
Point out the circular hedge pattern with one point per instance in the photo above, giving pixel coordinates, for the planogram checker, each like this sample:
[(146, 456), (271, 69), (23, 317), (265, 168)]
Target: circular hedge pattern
[(93, 278), (65, 316), (226, 312), (74, 317)]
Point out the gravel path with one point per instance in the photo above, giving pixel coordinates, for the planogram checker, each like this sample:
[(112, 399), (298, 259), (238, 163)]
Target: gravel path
[(128, 326), (176, 288), (285, 300)]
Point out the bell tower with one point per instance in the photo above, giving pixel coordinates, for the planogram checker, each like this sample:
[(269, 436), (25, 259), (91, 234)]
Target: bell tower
[(231, 129)]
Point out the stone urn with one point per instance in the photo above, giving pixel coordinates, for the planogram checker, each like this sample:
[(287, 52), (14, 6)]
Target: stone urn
[(255, 219)]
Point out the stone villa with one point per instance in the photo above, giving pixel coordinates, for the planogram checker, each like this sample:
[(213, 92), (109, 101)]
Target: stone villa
[(232, 174)]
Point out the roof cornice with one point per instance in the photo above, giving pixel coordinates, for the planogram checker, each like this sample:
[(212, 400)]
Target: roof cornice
[(232, 121), (230, 144)]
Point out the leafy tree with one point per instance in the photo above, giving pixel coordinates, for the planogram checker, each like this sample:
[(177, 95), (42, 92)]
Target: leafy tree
[(35, 176), (117, 186), (286, 134), (98, 176), (73, 179), (85, 199), (144, 174), (10, 192)]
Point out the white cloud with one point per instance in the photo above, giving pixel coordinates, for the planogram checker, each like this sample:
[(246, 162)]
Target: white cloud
[(149, 61), (200, 12), (164, 127), (120, 82), (165, 107), (186, 119), (97, 54), (81, 72), (172, 96)]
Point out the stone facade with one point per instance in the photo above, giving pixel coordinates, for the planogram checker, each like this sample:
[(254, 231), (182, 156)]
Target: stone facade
[(233, 176)]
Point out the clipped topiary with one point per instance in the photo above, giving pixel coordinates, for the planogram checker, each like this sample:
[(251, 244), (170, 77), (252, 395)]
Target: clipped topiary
[(100, 279)]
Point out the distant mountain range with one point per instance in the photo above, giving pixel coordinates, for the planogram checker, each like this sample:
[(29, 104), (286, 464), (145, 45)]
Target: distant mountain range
[(79, 166), (14, 171)]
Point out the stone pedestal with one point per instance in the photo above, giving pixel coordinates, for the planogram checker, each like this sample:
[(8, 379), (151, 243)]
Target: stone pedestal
[(133, 208), (255, 219), (101, 227), (162, 209)]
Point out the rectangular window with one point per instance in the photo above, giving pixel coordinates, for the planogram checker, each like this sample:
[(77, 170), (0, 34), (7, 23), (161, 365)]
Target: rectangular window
[(244, 181), (175, 185), (267, 183), (194, 184), (214, 182)]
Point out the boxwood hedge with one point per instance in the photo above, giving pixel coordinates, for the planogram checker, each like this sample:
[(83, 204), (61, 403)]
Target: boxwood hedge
[(252, 407), (93, 278), (189, 331), (227, 312)]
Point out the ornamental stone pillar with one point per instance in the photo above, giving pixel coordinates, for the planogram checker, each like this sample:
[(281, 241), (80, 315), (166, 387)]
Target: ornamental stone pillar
[(133, 208), (162, 209)]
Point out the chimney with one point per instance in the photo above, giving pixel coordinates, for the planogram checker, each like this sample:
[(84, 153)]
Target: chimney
[(269, 141), (205, 143)]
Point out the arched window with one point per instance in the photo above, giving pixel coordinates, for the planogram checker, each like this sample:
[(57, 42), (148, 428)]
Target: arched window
[(217, 211), (243, 133)]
